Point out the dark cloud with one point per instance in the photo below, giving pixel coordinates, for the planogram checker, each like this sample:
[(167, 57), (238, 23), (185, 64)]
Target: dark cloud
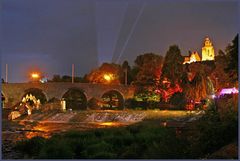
[(50, 35)]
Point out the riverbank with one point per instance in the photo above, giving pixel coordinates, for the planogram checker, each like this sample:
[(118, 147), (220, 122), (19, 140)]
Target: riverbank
[(47, 124), (183, 125)]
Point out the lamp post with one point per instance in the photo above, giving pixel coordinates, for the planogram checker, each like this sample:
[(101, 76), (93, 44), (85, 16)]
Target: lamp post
[(6, 73), (125, 71), (72, 73)]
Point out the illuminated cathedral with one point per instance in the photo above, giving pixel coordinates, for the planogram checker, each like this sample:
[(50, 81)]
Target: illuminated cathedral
[(207, 53)]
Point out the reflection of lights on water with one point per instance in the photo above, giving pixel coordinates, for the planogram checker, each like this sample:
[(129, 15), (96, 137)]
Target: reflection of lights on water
[(109, 124), (164, 124), (30, 135), (115, 124), (39, 128)]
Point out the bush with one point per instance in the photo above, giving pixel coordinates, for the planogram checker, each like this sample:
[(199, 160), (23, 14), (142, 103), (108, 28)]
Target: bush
[(142, 105), (142, 140), (31, 147), (213, 132), (98, 149), (178, 100), (56, 149)]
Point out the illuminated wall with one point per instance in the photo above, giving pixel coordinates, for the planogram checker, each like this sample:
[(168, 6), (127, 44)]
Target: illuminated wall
[(207, 50), (194, 57)]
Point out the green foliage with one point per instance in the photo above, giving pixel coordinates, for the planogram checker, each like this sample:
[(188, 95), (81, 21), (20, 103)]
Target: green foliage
[(31, 147), (144, 99), (219, 76), (173, 64), (147, 96), (129, 142), (66, 78), (232, 54), (214, 132), (149, 69), (113, 100), (146, 140), (56, 149), (98, 150), (97, 75), (178, 100)]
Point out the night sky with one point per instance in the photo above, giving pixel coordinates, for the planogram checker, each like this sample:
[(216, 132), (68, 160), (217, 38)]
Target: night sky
[(50, 35)]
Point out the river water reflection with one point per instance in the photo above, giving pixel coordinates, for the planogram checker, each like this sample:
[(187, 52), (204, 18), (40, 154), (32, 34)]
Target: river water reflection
[(46, 125), (48, 129)]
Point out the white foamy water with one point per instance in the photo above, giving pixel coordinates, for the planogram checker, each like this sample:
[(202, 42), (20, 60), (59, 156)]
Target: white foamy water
[(115, 117)]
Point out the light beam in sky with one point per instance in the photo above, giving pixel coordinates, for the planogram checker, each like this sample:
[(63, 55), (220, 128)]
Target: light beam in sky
[(131, 32), (109, 17)]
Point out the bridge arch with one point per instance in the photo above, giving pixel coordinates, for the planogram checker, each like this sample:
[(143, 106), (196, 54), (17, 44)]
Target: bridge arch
[(113, 99), (38, 93), (75, 98)]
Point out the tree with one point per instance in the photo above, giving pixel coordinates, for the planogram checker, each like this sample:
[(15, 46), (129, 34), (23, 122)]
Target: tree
[(133, 74), (56, 78), (149, 68), (113, 71), (66, 78), (173, 65), (232, 54), (219, 75), (200, 87), (84, 79), (127, 70)]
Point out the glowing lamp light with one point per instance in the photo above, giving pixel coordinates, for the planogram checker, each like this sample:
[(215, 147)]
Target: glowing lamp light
[(228, 91), (213, 96), (107, 77), (35, 75)]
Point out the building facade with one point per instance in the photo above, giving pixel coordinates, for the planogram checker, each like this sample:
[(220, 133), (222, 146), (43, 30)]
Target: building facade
[(207, 53), (207, 50)]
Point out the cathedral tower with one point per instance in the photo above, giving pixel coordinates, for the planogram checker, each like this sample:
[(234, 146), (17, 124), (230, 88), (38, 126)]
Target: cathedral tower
[(207, 50)]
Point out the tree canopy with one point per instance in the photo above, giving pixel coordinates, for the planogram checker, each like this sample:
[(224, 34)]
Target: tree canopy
[(232, 54), (173, 64), (149, 66), (106, 74)]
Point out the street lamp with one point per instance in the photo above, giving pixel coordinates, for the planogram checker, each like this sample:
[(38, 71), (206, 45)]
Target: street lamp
[(107, 77), (35, 75)]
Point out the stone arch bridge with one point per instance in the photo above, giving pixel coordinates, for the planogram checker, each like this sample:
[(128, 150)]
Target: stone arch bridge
[(14, 92)]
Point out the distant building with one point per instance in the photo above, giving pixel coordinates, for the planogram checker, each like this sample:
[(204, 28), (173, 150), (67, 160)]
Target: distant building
[(207, 53), (193, 57), (207, 50)]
